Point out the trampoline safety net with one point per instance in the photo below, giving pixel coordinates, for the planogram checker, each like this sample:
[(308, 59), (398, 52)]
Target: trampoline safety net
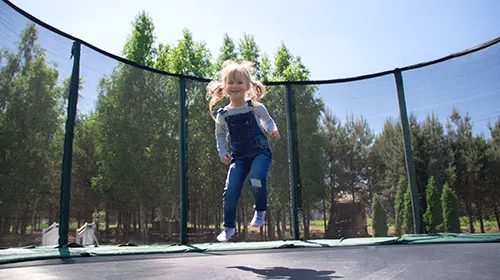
[(358, 157)]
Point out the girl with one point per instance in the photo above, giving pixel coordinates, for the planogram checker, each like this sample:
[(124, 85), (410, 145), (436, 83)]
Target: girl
[(246, 121)]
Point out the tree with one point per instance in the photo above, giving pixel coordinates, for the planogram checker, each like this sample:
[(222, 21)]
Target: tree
[(250, 51), (399, 206), (379, 218), (139, 46), (227, 52), (389, 160), (449, 201), (189, 57), (347, 158), (84, 200), (408, 213), (335, 136), (31, 118), (478, 170), (493, 171), (460, 140), (133, 133), (433, 213)]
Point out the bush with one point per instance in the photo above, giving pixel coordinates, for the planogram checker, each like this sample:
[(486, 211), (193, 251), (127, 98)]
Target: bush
[(449, 203), (379, 220)]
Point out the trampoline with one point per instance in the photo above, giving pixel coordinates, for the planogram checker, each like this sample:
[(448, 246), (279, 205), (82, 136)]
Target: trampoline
[(436, 256), (422, 256), (440, 261)]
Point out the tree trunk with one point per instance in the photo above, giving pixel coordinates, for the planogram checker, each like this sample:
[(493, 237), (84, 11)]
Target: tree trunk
[(305, 217), (278, 225), (238, 217), (193, 216), (2, 225), (217, 222), (324, 214), (481, 220), (270, 225), (266, 231), (24, 225), (16, 219), (283, 224), (24, 220), (106, 220), (153, 216), (497, 214), (162, 223), (245, 223), (136, 220), (173, 216), (331, 231), (51, 214), (33, 215), (199, 215), (497, 217), (119, 223), (6, 225), (471, 216), (143, 222)]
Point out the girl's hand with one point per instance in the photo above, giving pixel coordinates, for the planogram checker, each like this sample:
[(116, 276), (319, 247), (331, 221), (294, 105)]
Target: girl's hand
[(226, 159), (275, 134)]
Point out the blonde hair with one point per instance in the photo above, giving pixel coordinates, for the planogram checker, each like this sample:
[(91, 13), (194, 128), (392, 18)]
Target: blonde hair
[(215, 89)]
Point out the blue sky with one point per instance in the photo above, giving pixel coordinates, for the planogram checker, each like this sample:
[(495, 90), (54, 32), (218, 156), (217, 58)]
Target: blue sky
[(335, 39)]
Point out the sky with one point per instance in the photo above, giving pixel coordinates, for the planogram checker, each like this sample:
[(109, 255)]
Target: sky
[(335, 39)]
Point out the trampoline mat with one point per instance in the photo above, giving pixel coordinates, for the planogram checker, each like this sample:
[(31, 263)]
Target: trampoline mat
[(434, 261)]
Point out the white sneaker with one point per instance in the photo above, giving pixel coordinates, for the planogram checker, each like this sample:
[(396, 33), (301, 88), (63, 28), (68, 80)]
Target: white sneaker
[(226, 234), (258, 219)]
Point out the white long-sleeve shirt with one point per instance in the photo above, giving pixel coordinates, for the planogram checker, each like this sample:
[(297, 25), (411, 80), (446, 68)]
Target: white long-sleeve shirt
[(265, 121)]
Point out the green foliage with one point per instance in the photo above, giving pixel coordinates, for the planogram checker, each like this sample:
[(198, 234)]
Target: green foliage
[(125, 157), (399, 206), (227, 52), (250, 51), (379, 218), (408, 213), (449, 202), (433, 214), (387, 156), (139, 45), (31, 130)]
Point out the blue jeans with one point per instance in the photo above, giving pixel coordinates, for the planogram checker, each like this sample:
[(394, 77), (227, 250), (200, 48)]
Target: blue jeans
[(257, 168)]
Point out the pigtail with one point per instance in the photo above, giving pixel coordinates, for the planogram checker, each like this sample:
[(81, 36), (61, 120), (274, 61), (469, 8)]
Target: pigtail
[(258, 90), (215, 92)]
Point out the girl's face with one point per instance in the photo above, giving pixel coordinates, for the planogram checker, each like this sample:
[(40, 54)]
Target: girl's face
[(236, 86)]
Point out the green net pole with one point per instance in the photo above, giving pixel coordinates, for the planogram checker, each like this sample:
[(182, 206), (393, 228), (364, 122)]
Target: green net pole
[(410, 167), (292, 161), (68, 147), (182, 160)]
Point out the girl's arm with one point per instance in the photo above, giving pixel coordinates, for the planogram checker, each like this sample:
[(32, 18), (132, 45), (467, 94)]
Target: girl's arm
[(221, 133), (266, 119)]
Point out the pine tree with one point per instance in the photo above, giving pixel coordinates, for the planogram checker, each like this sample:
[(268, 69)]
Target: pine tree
[(399, 205), (408, 213), (449, 201), (379, 219), (433, 214)]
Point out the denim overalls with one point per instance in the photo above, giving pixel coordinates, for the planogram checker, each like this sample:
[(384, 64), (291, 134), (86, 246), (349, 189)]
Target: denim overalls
[(251, 155)]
